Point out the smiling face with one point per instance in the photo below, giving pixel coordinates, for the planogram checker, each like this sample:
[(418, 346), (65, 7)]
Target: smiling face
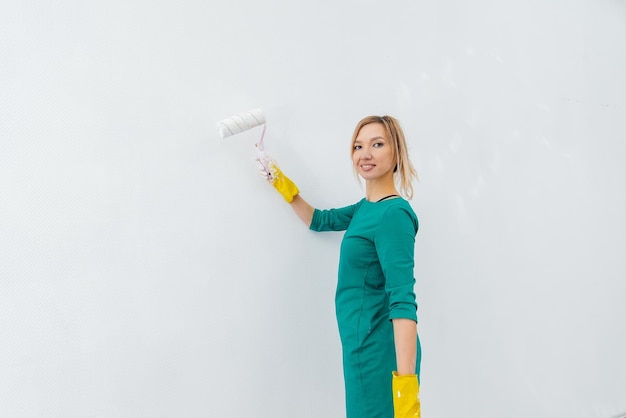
[(372, 153)]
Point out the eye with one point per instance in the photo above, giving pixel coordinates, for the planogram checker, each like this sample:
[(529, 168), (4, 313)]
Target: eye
[(378, 144), (357, 147)]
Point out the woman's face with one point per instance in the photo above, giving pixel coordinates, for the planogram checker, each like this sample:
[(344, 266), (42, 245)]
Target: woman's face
[(372, 155)]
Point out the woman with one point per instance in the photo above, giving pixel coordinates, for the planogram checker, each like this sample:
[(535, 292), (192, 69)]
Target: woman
[(375, 302)]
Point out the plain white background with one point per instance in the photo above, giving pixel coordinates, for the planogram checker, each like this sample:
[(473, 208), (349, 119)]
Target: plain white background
[(147, 270)]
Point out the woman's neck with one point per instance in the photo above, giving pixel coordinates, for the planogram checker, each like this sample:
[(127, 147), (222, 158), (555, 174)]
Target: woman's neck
[(376, 190)]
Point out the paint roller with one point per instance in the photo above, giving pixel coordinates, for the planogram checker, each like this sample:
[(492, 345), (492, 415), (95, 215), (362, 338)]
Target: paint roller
[(242, 122)]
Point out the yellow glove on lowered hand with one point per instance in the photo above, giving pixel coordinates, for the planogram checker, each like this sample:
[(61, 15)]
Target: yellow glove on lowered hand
[(406, 401), (279, 180)]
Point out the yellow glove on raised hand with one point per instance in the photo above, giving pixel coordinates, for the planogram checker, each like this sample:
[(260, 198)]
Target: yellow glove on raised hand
[(406, 401), (278, 179)]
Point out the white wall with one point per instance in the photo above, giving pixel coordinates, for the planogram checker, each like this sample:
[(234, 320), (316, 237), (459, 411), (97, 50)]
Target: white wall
[(146, 270)]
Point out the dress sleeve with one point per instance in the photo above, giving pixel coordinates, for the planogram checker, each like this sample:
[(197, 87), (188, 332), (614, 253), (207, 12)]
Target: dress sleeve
[(395, 245), (333, 219)]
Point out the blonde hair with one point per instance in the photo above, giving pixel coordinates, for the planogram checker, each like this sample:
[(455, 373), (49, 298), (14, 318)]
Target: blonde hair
[(404, 173)]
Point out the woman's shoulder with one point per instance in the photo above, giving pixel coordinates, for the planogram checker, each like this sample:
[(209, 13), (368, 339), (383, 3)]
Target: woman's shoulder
[(400, 208), (400, 203)]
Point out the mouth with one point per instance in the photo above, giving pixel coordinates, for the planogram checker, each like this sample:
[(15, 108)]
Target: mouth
[(367, 167)]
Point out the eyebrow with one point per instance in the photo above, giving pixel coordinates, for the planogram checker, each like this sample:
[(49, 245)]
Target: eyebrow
[(371, 139)]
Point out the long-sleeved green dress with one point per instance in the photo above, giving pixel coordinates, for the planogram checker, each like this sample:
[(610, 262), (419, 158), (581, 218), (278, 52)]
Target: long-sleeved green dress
[(375, 285)]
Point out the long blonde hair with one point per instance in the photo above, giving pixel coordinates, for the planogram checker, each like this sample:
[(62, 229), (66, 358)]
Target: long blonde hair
[(404, 173)]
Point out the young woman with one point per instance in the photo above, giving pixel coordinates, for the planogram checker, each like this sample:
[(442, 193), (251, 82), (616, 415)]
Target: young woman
[(375, 302)]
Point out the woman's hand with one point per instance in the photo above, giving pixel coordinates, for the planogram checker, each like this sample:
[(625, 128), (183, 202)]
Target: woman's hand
[(283, 184), (406, 401), (405, 383)]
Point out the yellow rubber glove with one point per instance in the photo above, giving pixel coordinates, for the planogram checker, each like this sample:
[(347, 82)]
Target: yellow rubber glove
[(406, 400), (279, 180)]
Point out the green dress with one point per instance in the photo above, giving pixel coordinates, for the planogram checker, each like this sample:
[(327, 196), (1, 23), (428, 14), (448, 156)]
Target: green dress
[(375, 284)]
